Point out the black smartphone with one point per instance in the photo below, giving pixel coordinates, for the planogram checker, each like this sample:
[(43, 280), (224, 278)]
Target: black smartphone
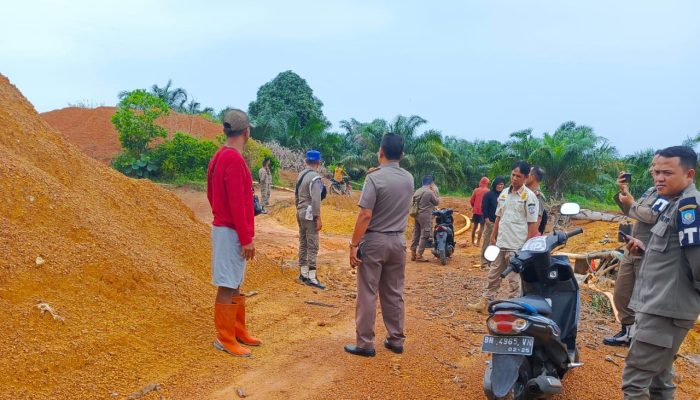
[(627, 237), (627, 178)]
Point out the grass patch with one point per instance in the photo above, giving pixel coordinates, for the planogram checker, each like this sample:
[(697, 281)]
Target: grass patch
[(198, 185), (601, 304)]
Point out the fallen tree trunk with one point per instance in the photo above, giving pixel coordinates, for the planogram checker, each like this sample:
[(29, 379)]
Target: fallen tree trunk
[(592, 256), (283, 188), (589, 215)]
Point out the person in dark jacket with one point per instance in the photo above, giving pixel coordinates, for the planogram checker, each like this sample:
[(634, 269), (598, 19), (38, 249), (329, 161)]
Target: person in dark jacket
[(488, 207)]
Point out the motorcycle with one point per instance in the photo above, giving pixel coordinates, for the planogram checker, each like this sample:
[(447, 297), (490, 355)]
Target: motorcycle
[(343, 187), (443, 235), (533, 338)]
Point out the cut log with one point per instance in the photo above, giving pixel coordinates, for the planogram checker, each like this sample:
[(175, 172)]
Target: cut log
[(283, 188), (596, 255), (589, 215)]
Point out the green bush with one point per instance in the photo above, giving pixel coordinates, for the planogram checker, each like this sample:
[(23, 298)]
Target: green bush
[(135, 121), (142, 167), (184, 156)]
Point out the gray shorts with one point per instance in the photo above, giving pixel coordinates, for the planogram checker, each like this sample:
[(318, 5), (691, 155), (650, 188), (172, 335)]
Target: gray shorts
[(227, 263)]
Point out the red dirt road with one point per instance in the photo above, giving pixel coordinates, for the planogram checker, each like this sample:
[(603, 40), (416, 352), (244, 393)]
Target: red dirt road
[(303, 355)]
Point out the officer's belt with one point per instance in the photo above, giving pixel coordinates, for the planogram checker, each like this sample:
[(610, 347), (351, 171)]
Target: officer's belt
[(386, 232)]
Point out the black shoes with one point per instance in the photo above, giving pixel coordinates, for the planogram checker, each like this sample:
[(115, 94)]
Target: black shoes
[(358, 351), (395, 349), (622, 338)]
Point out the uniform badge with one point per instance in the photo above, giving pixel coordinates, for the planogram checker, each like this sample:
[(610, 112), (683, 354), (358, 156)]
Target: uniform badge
[(688, 223), (688, 216), (532, 209), (523, 196)]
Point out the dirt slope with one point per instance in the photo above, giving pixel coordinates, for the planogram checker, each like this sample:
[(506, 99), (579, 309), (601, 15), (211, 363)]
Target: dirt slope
[(92, 131), (123, 262)]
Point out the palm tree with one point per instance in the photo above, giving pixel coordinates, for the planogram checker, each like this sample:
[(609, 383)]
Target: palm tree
[(175, 98), (362, 142), (573, 155)]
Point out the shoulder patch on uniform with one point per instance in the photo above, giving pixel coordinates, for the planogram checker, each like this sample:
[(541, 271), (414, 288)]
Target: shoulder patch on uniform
[(688, 223), (532, 209)]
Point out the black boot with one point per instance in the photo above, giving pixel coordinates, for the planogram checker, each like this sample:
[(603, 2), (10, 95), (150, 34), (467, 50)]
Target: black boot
[(622, 338)]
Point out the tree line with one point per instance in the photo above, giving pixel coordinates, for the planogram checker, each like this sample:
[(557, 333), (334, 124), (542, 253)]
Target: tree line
[(287, 115), (577, 161)]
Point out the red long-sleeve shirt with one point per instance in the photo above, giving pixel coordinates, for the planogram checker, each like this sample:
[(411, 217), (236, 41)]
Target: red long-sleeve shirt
[(230, 193)]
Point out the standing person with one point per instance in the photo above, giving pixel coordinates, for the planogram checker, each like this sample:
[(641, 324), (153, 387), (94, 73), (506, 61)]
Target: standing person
[(516, 222), (425, 199), (230, 194), (377, 249), (477, 213), (488, 207), (533, 183), (339, 173), (646, 211), (667, 292), (308, 200), (265, 177)]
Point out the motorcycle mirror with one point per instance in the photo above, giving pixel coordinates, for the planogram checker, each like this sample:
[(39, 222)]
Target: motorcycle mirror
[(570, 209), (491, 253)]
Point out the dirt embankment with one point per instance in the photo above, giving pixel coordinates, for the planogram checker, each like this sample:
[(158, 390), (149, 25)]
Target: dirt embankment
[(92, 131), (123, 264)]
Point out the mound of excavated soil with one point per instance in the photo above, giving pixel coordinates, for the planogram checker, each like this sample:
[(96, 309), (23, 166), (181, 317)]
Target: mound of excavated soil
[(122, 262), (92, 131)]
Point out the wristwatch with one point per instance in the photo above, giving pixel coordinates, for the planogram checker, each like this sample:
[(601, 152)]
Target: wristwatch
[(352, 246)]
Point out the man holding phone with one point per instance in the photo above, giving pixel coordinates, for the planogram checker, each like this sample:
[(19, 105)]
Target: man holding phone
[(667, 292), (646, 211)]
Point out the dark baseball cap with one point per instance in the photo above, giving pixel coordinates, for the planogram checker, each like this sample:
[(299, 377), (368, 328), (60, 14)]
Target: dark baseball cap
[(237, 120)]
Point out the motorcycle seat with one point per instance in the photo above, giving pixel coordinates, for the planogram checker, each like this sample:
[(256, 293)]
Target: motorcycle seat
[(529, 304)]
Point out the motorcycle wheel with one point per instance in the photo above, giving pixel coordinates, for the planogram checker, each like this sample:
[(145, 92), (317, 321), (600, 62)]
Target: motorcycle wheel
[(443, 257)]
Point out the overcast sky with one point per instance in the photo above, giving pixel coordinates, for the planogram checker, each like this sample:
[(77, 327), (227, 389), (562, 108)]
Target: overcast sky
[(474, 69)]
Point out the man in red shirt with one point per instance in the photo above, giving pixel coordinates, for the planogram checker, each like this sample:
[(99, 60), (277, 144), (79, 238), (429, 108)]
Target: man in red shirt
[(230, 194), (477, 212)]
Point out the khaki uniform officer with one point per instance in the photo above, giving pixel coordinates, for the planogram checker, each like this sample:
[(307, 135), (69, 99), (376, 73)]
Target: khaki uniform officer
[(516, 222), (425, 199), (667, 292), (645, 211), (308, 200), (378, 249), (265, 178)]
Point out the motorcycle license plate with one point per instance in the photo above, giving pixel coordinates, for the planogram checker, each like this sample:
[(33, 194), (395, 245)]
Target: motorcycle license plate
[(519, 345)]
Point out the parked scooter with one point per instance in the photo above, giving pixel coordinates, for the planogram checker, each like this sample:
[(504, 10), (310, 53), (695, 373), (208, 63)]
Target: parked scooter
[(443, 235), (343, 187), (533, 338)]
